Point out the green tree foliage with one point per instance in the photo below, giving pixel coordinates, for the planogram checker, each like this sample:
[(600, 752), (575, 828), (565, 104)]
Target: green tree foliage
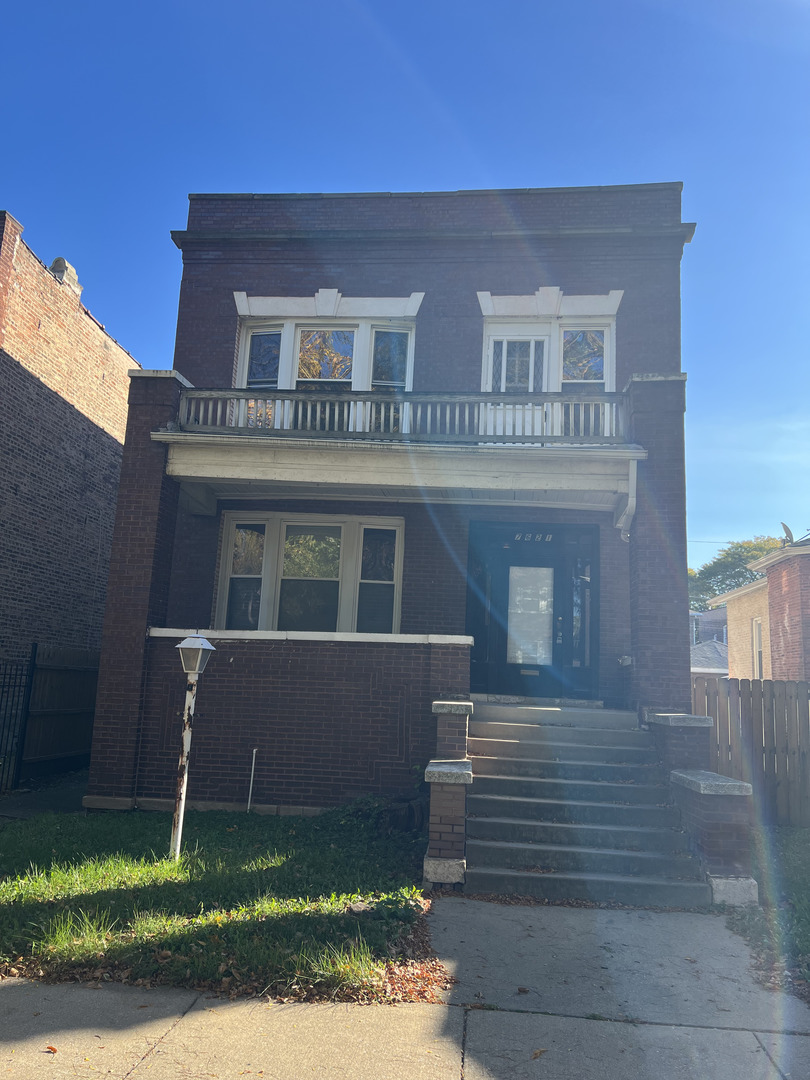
[(728, 569)]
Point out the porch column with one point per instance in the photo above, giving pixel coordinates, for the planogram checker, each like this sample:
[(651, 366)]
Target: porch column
[(138, 587), (659, 601), (448, 775)]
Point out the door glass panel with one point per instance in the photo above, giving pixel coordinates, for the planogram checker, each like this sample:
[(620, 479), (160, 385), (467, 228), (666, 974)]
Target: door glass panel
[(263, 361), (518, 357), (530, 615), (581, 614), (497, 366), (390, 362)]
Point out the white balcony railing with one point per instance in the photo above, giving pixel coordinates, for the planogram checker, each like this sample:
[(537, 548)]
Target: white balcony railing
[(542, 419)]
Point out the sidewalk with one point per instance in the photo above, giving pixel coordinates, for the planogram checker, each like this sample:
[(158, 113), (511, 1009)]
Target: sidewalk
[(60, 794), (546, 993)]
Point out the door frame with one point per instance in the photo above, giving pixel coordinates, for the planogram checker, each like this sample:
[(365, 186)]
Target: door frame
[(493, 548)]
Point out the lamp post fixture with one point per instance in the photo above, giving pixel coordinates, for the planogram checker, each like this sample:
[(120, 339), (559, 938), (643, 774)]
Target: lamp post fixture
[(194, 654)]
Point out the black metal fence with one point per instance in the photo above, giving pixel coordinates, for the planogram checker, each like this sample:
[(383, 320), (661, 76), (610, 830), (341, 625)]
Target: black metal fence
[(16, 679)]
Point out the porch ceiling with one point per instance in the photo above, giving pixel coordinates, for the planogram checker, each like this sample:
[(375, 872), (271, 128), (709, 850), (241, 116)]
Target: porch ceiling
[(233, 467)]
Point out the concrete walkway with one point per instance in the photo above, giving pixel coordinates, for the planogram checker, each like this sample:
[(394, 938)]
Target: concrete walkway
[(542, 992)]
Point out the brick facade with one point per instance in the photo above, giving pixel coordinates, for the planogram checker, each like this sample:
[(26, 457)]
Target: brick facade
[(65, 389), (789, 617), (334, 720)]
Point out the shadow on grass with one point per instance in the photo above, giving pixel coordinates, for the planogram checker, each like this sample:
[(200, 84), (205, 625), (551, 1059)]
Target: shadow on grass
[(299, 906)]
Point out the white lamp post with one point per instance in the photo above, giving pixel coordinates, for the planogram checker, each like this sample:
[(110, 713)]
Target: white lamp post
[(194, 653)]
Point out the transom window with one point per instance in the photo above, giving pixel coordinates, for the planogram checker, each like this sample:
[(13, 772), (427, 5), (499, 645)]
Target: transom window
[(309, 573), (353, 343)]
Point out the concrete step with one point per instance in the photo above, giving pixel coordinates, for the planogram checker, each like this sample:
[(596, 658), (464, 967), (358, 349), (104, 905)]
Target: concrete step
[(561, 810), (569, 790), (547, 858), (566, 716), (623, 837), (568, 770), (574, 736), (598, 888), (543, 749)]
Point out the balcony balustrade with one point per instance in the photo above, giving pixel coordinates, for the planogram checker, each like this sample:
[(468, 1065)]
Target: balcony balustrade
[(584, 418)]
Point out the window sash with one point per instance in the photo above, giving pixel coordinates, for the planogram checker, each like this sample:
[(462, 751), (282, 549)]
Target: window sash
[(366, 586)]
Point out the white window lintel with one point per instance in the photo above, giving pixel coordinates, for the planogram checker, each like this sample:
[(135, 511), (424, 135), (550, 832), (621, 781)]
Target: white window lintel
[(550, 302), (328, 303)]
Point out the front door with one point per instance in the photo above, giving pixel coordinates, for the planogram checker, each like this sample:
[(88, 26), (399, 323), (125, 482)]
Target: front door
[(531, 608)]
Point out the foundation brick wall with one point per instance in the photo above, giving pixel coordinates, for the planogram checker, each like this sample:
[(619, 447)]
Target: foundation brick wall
[(65, 387), (331, 720), (719, 830)]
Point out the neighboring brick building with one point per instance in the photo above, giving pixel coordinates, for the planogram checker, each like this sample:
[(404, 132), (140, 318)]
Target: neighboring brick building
[(413, 446), (769, 619), (64, 390)]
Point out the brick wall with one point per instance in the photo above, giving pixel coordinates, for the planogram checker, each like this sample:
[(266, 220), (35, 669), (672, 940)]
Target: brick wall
[(789, 618), (659, 599), (448, 246), (739, 612), (65, 389), (331, 721)]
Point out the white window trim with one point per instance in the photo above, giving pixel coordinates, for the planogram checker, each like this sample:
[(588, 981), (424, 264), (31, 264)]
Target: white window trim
[(351, 553), (326, 310), (546, 315)]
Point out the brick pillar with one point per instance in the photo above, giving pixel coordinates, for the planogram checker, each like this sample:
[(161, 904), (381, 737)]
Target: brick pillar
[(789, 615), (448, 776), (138, 588), (659, 601), (716, 813), (682, 740)]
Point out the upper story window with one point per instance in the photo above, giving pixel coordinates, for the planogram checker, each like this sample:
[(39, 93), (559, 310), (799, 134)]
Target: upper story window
[(547, 341), (359, 343)]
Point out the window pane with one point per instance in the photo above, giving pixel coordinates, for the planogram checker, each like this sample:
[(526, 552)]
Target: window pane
[(248, 549), (312, 551), (244, 597), (325, 354), (379, 547), (518, 354), (497, 366), (529, 627), (539, 353), (308, 605), (390, 357), (375, 608), (263, 360), (584, 354)]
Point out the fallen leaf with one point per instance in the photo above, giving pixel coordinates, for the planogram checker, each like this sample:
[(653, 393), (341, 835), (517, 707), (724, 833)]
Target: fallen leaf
[(51, 1049), (537, 1054), (523, 989)]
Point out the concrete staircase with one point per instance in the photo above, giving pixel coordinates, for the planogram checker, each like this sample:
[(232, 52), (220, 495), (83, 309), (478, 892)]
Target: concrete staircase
[(571, 804)]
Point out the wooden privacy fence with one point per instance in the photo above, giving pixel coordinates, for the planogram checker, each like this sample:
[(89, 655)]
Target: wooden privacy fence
[(762, 735)]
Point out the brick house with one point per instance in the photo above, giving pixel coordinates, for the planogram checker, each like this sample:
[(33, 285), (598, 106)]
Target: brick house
[(412, 447), (769, 619), (64, 390)]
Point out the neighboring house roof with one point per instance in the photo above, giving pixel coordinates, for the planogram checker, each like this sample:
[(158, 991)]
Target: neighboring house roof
[(709, 658)]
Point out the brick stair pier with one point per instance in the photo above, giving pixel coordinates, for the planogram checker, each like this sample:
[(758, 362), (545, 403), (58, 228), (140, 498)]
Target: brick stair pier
[(571, 804)]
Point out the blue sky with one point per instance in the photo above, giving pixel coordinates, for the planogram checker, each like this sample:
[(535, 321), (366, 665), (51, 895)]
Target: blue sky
[(113, 113)]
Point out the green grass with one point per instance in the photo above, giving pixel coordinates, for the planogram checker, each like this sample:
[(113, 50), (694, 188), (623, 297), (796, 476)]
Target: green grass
[(779, 931), (300, 907)]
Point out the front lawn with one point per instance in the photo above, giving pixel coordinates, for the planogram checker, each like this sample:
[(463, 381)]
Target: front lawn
[(779, 931), (300, 908)]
